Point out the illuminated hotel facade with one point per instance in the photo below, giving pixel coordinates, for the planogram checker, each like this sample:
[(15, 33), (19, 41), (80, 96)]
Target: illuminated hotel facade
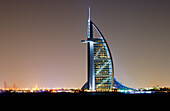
[(100, 62)]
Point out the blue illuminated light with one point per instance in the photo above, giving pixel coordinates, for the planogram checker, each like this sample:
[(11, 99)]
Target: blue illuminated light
[(104, 81), (103, 66), (107, 51), (98, 52)]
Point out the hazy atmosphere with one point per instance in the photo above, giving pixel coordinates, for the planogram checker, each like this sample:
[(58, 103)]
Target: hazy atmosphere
[(40, 41)]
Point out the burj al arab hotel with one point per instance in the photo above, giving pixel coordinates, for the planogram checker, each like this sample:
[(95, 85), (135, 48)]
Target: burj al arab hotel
[(100, 63)]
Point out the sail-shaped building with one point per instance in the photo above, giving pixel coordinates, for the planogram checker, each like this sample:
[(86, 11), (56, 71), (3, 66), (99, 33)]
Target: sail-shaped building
[(100, 62)]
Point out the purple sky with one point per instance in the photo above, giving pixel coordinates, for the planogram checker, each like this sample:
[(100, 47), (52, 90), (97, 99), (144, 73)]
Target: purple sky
[(40, 41)]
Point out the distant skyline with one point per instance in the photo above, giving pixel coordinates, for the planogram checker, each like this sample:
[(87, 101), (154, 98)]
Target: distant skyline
[(40, 41)]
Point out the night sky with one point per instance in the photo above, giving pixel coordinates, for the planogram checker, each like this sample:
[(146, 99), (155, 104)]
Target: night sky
[(40, 41)]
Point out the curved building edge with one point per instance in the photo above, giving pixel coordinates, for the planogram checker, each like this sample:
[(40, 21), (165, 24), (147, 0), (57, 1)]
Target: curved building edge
[(115, 83)]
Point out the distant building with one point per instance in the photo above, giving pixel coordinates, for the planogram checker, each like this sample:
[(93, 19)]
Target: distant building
[(100, 62)]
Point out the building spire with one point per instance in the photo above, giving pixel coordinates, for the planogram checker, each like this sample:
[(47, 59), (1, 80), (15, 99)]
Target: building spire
[(89, 12)]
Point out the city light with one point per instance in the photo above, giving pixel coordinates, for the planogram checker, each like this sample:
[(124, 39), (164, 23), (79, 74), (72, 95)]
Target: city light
[(77, 90)]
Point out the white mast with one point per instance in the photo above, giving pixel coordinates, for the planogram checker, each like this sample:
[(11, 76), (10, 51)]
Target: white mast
[(89, 12)]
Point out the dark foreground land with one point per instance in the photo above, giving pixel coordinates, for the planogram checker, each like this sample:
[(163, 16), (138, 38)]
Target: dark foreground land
[(83, 95), (84, 99)]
